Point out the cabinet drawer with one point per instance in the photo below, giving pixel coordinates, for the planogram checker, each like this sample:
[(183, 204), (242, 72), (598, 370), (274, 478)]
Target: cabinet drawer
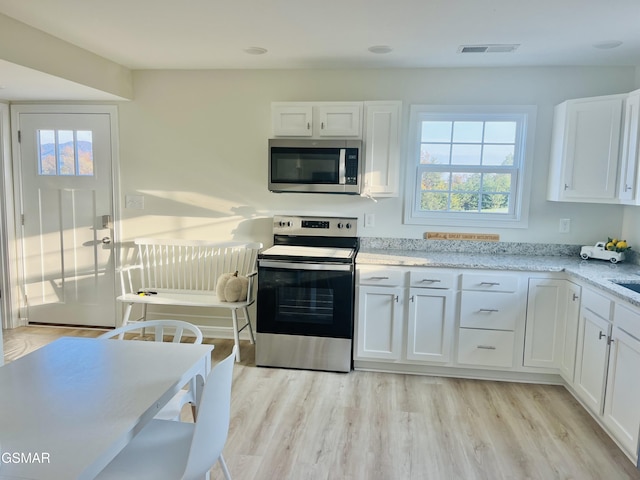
[(628, 320), (489, 282), (596, 303), (428, 278), (495, 310), (371, 275), (485, 347)]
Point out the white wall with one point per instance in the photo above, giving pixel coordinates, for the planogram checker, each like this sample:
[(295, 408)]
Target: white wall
[(194, 143)]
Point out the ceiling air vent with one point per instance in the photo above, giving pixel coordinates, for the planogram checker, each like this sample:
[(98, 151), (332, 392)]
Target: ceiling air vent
[(494, 48)]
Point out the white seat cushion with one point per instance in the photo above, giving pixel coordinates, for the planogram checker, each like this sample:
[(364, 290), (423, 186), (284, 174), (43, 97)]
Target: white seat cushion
[(166, 441)]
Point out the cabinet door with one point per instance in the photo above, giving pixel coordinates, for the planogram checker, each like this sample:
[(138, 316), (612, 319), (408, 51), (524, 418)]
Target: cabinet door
[(544, 334), (591, 362), (430, 325), (629, 158), (568, 356), (382, 148), (379, 326), (591, 151), (339, 120), (291, 120), (622, 408)]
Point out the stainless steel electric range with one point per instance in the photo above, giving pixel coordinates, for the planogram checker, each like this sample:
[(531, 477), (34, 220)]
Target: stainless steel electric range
[(306, 285)]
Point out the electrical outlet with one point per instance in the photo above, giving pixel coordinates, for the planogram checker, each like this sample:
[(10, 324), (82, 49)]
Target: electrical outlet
[(565, 225), (369, 220), (135, 202)]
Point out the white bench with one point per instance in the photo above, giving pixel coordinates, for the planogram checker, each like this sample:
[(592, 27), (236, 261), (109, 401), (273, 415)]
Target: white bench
[(184, 273)]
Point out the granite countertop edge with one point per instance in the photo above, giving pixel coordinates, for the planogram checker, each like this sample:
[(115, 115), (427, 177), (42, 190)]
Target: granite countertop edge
[(598, 273)]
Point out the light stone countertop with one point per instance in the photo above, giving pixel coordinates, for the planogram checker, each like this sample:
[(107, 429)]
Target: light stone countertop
[(595, 272)]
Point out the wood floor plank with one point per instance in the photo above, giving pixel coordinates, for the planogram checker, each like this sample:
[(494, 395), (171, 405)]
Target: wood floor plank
[(291, 425)]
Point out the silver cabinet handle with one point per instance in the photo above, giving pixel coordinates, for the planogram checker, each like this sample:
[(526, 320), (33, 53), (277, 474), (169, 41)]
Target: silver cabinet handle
[(488, 310), (411, 298), (575, 297), (566, 187), (106, 240), (491, 284), (378, 278), (396, 298), (430, 280), (308, 126), (486, 347), (322, 126), (602, 334)]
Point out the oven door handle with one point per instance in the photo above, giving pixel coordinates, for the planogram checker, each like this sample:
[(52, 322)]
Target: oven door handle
[(330, 267)]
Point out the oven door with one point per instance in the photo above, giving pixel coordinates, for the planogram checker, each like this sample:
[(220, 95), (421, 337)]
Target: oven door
[(311, 299)]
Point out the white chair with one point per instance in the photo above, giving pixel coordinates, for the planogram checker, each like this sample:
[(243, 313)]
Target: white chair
[(177, 450), (177, 328)]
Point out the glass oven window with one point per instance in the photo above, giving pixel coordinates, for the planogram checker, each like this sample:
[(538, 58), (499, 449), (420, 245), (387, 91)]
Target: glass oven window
[(305, 302), (305, 305)]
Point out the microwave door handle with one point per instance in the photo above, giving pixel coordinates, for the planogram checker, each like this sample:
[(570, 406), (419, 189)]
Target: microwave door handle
[(342, 167)]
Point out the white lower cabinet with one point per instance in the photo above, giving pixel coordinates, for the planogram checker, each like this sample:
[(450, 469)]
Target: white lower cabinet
[(622, 399), (552, 325), (591, 364), (379, 329), (394, 305), (490, 348), (430, 325), (491, 312)]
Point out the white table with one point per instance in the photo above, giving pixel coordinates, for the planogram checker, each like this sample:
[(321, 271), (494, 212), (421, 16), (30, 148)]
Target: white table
[(76, 402)]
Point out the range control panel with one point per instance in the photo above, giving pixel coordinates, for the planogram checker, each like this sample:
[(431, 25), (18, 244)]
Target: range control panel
[(315, 226)]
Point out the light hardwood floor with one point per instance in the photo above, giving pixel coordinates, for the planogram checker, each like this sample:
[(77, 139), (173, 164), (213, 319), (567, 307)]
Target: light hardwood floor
[(289, 424)]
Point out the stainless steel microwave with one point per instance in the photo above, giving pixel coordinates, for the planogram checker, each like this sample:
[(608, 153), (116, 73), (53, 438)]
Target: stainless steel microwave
[(315, 166)]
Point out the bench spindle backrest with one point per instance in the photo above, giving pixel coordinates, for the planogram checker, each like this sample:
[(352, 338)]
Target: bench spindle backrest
[(192, 265)]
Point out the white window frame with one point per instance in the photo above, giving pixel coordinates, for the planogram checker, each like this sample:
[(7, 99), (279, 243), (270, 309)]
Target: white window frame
[(525, 115)]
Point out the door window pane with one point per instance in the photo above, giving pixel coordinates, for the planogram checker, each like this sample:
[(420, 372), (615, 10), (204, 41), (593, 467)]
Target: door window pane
[(65, 152), (47, 164)]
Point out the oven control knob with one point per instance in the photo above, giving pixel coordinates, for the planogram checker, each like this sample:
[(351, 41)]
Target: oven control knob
[(348, 226), (340, 225)]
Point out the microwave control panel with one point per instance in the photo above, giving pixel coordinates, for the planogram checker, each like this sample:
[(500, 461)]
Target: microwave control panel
[(351, 166)]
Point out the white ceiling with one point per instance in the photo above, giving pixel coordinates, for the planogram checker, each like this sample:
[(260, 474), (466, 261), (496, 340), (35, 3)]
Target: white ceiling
[(206, 34)]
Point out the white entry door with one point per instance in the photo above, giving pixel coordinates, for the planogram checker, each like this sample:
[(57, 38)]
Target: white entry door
[(66, 189)]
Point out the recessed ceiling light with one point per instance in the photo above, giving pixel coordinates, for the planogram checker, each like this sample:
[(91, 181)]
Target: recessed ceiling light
[(255, 50), (606, 45), (380, 49)]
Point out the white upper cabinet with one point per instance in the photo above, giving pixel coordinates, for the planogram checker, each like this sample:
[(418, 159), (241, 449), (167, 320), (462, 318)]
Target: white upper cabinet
[(628, 184), (382, 148), (317, 119), (292, 120), (585, 150)]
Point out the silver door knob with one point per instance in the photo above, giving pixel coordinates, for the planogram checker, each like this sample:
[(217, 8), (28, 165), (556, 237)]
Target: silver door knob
[(106, 240)]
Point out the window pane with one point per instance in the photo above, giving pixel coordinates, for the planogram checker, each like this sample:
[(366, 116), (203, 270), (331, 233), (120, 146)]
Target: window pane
[(467, 132), (496, 182), (466, 154), (436, 131), (464, 202), (66, 152), (498, 155), (85, 152), (468, 182), (500, 132), (495, 203), (434, 201), (435, 181), (46, 152), (434, 153)]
